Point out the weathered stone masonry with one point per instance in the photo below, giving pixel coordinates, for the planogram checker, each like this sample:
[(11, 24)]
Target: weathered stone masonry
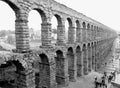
[(48, 66)]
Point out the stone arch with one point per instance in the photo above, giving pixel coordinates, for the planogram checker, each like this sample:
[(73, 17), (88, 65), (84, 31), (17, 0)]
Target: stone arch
[(44, 71), (70, 22), (38, 16), (89, 57), (17, 63), (58, 29), (95, 30), (12, 5), (92, 33), (45, 25), (70, 56), (84, 51), (95, 57), (98, 55), (88, 25), (71, 30), (45, 68), (60, 68), (83, 24), (18, 76), (92, 55), (78, 32), (42, 14), (84, 32), (59, 19), (88, 32), (79, 61), (77, 24)]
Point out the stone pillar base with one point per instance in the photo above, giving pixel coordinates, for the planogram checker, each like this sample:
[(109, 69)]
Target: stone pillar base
[(63, 81), (79, 69), (72, 76)]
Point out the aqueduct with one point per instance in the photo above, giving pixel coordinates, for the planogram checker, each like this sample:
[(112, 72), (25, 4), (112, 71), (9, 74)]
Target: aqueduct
[(48, 66)]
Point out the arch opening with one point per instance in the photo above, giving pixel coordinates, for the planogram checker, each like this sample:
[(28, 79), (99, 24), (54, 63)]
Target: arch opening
[(84, 32), (60, 66), (89, 57), (93, 57), (79, 61), (36, 18), (84, 50), (78, 32), (9, 72), (68, 24), (7, 25), (77, 24), (84, 25), (70, 56), (44, 72), (88, 32), (56, 22)]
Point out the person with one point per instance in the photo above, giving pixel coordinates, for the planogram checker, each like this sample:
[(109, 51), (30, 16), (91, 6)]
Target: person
[(95, 81), (103, 83), (100, 82), (105, 74), (110, 78), (114, 74), (105, 63)]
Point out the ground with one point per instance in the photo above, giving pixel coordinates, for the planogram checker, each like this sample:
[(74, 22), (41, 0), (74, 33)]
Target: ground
[(85, 81), (88, 80)]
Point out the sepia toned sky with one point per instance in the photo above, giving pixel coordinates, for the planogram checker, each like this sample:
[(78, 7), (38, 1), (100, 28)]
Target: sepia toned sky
[(104, 11)]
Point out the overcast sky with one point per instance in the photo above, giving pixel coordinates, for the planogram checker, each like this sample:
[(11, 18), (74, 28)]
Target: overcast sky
[(104, 11)]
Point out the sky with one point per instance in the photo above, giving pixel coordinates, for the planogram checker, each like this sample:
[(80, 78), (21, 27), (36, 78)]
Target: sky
[(104, 11)]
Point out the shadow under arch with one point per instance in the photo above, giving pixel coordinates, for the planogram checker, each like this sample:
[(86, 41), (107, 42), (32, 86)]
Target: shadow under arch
[(78, 31), (60, 66), (44, 71), (89, 57), (84, 32), (10, 72), (88, 32), (70, 22), (85, 62), (59, 20), (71, 65), (79, 61), (93, 56)]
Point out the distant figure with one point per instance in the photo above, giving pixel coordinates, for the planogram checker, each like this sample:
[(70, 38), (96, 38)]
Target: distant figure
[(105, 74), (114, 74), (110, 78), (103, 82), (105, 63), (95, 81)]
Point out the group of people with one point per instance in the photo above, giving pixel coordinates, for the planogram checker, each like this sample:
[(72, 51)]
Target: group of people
[(104, 80)]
